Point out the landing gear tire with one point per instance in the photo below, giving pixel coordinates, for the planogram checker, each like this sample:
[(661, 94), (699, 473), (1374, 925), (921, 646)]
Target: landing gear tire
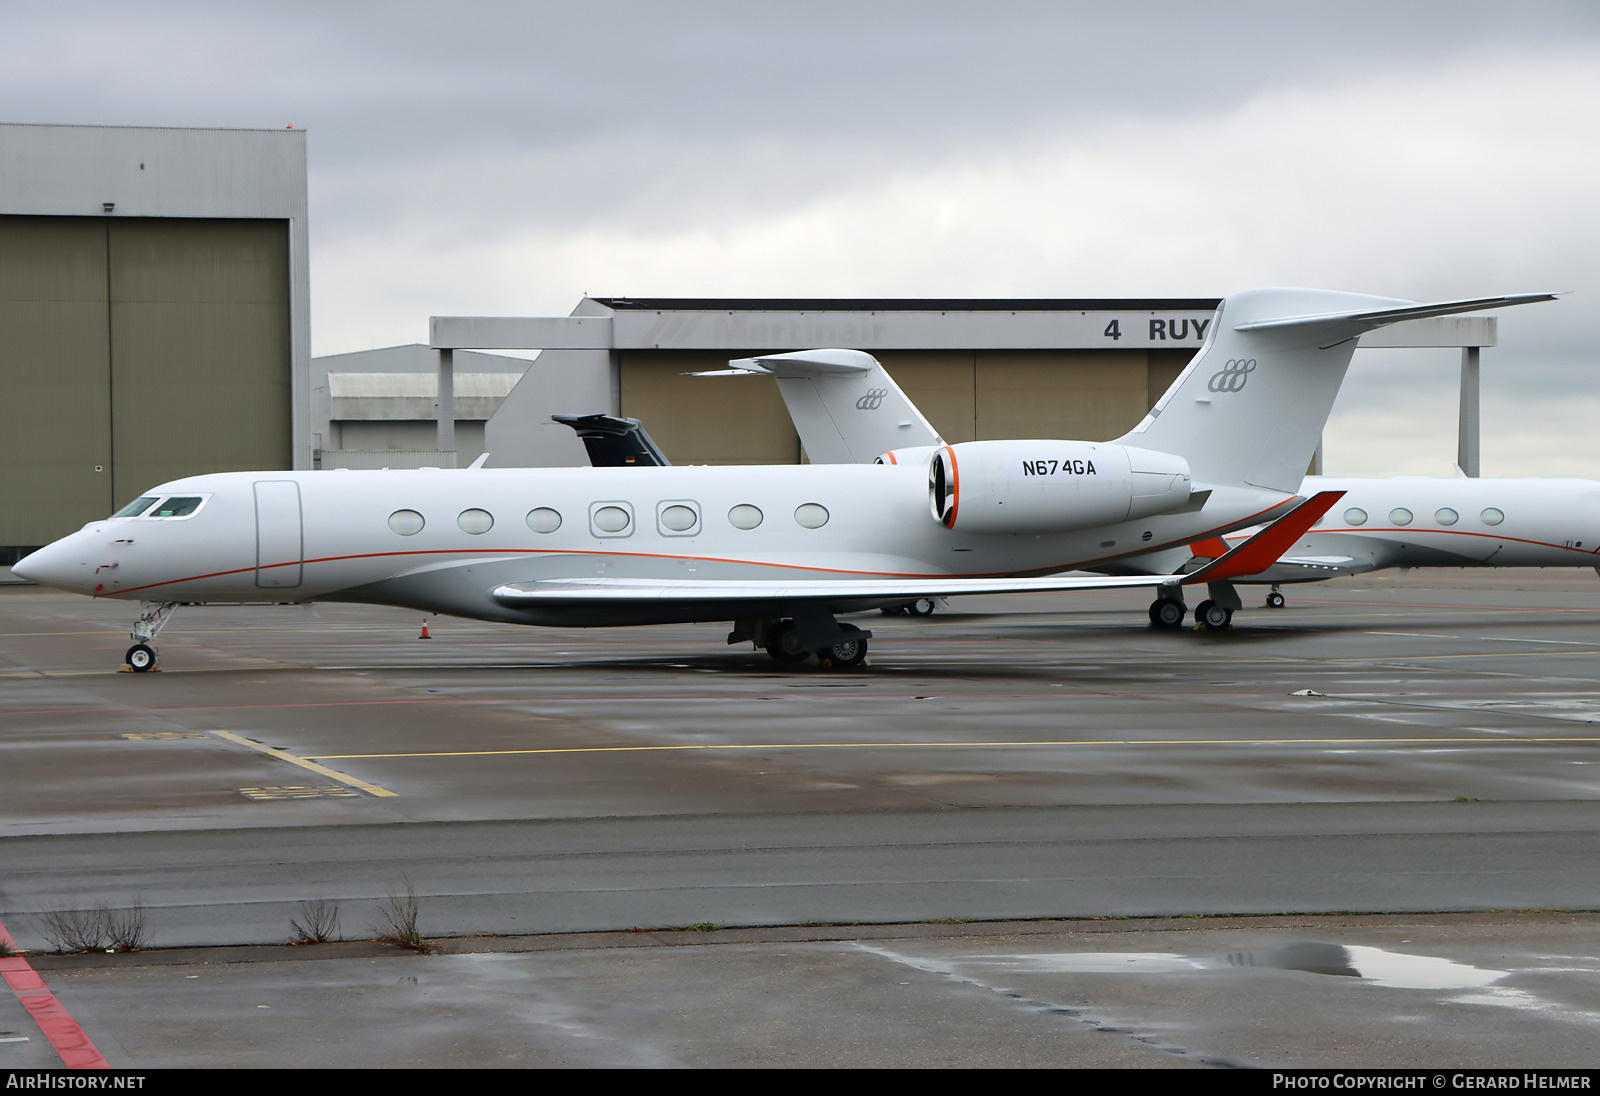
[(1275, 600), (783, 646), (1214, 617), (1165, 613), (849, 652), (923, 606), (141, 657)]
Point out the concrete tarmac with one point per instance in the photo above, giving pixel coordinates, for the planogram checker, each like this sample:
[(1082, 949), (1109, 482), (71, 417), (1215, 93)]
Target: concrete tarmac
[(1369, 749)]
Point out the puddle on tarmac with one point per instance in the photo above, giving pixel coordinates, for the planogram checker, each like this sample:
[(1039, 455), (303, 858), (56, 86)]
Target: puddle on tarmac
[(1384, 968)]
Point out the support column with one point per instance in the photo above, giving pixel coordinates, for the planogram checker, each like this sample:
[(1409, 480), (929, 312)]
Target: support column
[(1467, 432), (447, 401)]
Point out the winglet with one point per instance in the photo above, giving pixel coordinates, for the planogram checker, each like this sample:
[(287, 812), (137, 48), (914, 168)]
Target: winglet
[(1262, 550)]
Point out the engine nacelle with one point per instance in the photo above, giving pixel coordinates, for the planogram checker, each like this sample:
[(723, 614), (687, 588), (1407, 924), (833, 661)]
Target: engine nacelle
[(1051, 486)]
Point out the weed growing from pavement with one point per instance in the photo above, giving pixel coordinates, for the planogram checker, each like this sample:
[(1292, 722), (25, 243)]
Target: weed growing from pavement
[(318, 922)]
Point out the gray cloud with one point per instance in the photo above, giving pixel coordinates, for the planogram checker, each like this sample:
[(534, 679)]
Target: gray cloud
[(505, 157)]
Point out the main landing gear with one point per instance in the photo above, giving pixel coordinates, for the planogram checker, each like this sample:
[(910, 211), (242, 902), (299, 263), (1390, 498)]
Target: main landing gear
[(1214, 614), (141, 657), (840, 646), (923, 606), (1275, 599), (1167, 613)]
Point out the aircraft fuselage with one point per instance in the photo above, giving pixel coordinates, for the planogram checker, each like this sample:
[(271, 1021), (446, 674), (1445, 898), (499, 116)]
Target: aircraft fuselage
[(443, 540)]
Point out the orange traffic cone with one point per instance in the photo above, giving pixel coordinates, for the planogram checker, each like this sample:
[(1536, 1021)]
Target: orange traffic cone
[(424, 634)]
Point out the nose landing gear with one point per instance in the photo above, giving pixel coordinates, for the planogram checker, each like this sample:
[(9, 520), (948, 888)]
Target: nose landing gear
[(141, 657)]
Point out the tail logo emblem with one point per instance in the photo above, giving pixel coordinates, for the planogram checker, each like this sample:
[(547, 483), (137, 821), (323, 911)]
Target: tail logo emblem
[(1232, 377), (872, 400)]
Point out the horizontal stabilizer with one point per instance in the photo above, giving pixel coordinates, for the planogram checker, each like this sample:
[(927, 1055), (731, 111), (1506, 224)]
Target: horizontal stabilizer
[(1370, 318), (808, 363)]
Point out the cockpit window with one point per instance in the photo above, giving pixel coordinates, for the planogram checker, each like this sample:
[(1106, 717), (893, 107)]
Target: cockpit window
[(136, 507), (177, 507)]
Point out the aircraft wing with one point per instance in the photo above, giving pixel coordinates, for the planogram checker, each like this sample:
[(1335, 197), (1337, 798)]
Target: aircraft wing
[(1248, 558), (1299, 566)]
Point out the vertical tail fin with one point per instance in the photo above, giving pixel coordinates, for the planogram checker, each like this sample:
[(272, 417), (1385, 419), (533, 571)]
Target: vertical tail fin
[(1250, 407), (845, 406)]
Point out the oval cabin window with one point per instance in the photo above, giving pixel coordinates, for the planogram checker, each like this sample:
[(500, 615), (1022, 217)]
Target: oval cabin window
[(611, 519), (1446, 516), (475, 521), (744, 516), (1355, 516), (544, 520), (811, 515), (679, 519), (1493, 516), (1400, 515), (408, 523)]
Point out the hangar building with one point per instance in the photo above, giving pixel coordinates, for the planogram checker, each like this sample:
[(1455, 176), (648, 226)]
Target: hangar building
[(154, 299)]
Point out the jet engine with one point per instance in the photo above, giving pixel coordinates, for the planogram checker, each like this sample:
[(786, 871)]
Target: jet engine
[(1050, 486)]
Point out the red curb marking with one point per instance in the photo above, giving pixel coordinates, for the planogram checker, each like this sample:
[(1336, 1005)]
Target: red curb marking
[(71, 1044)]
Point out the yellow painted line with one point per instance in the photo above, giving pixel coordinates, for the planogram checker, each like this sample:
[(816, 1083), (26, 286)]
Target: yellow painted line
[(1590, 739), (322, 770)]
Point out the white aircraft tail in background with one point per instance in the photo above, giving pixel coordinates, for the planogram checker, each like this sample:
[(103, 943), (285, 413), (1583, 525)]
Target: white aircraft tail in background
[(845, 407)]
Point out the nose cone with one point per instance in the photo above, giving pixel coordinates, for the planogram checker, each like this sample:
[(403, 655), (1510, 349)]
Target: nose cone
[(64, 565)]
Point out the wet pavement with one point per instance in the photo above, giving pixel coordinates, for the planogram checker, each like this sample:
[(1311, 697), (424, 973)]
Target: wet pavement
[(1370, 748)]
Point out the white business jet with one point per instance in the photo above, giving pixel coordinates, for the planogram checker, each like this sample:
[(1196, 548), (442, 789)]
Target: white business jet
[(845, 406), (777, 550), (1419, 521)]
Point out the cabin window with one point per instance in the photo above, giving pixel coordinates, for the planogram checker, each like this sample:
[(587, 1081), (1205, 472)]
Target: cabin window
[(136, 507), (475, 521), (811, 515), (1400, 515), (678, 519), (176, 507), (744, 516), (1493, 516), (544, 520), (611, 519), (1355, 516), (408, 523), (1446, 516)]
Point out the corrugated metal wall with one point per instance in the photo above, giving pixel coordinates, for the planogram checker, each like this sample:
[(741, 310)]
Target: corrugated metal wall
[(132, 352)]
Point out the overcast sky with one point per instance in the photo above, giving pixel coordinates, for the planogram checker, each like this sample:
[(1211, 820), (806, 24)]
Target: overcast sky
[(505, 158)]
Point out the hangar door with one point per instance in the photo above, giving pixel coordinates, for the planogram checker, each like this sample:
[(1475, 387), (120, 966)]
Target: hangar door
[(136, 350)]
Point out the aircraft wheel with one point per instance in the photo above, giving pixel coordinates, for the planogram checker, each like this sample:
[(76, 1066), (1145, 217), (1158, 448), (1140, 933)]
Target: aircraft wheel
[(1215, 617), (1275, 600), (849, 652), (923, 606), (783, 646), (141, 657), (1165, 613)]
